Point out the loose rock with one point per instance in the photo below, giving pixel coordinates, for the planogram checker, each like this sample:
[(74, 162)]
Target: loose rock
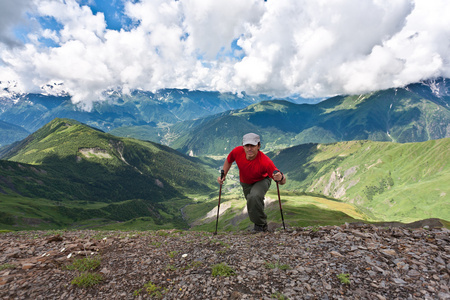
[(379, 263)]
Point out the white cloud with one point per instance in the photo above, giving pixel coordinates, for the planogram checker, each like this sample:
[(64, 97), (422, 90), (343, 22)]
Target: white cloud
[(306, 45), (12, 13), (312, 48), (213, 25)]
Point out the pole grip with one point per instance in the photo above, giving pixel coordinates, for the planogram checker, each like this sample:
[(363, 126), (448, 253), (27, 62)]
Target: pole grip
[(275, 172), (222, 174)]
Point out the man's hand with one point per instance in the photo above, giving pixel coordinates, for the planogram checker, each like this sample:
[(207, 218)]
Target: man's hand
[(221, 178), (279, 177)]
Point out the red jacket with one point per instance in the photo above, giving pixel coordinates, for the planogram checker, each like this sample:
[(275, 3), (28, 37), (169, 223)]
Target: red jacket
[(251, 171)]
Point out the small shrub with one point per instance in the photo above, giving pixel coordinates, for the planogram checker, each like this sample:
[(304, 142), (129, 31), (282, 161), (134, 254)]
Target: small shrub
[(87, 279), (162, 233), (279, 296), (154, 291), (7, 266), (315, 228), (156, 244), (344, 278), (270, 265), (222, 269), (85, 264), (172, 254)]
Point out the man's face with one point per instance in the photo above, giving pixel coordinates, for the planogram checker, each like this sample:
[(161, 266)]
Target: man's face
[(251, 151)]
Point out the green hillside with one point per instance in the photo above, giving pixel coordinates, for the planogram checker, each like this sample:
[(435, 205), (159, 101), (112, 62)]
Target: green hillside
[(69, 175), (80, 169), (222, 131), (394, 115), (144, 132), (398, 182)]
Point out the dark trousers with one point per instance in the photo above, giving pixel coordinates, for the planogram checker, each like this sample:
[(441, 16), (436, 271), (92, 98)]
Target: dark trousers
[(255, 193)]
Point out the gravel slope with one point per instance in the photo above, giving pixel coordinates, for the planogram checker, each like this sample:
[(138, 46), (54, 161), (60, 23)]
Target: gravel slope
[(302, 263)]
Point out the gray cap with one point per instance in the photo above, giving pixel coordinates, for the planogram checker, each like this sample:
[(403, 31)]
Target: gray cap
[(250, 138)]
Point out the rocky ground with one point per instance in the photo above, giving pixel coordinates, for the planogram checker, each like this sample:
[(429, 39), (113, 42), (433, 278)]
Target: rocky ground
[(353, 261)]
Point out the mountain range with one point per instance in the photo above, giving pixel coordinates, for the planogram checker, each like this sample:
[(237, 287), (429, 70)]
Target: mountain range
[(147, 160), (69, 172), (397, 115), (417, 112), (139, 108)]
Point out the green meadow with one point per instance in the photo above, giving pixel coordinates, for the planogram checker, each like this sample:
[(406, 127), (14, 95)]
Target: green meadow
[(68, 175)]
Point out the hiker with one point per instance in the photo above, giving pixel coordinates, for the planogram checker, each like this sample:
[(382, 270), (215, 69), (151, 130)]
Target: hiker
[(255, 173)]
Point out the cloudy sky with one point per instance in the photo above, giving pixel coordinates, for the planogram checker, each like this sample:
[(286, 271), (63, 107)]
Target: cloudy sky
[(309, 48)]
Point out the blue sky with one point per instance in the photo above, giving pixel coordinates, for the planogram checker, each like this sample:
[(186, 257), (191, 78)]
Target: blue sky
[(279, 48), (113, 11)]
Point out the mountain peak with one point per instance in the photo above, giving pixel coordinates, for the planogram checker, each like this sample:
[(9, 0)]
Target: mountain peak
[(440, 87), (59, 137)]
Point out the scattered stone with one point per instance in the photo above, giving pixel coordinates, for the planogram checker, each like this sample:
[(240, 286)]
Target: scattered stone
[(413, 273), (27, 266), (388, 252), (399, 281), (336, 254), (56, 238), (353, 261)]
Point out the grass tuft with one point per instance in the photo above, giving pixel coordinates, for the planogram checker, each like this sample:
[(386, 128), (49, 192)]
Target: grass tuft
[(172, 254), (277, 265), (222, 269), (7, 266), (344, 278), (87, 279), (154, 291), (85, 264), (279, 296)]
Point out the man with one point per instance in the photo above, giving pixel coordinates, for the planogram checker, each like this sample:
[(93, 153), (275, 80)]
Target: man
[(255, 173)]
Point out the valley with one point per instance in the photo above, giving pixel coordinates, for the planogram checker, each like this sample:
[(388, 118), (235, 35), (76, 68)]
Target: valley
[(380, 157)]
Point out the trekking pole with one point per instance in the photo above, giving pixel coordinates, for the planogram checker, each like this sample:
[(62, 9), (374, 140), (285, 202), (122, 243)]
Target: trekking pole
[(222, 174), (279, 201)]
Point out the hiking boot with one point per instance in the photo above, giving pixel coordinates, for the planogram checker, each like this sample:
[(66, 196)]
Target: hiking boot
[(259, 228)]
